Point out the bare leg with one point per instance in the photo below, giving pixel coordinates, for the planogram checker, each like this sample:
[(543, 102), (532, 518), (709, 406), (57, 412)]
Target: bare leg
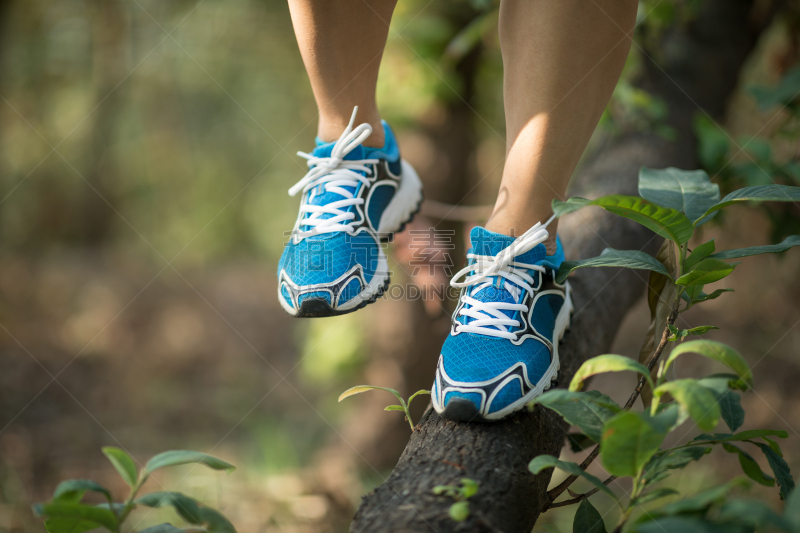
[(562, 60), (342, 42)]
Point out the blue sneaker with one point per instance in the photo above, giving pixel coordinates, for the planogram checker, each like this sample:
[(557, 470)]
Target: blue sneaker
[(503, 346), (352, 198)]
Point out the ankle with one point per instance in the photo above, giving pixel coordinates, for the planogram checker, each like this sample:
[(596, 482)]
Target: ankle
[(497, 224), (331, 128), (550, 243)]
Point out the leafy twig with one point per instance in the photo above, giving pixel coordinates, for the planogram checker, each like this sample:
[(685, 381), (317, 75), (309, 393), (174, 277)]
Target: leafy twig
[(651, 363), (579, 497)]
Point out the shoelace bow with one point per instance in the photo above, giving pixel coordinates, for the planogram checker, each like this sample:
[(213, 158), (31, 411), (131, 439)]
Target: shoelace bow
[(334, 174), (487, 318)]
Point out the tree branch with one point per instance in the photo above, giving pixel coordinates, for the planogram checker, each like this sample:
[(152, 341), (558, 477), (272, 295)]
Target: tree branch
[(496, 455)]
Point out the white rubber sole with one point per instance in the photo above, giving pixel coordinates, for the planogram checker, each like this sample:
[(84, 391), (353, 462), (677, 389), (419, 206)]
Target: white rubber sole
[(405, 202)]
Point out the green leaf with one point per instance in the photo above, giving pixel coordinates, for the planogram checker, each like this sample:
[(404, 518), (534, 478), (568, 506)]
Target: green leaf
[(123, 463), (687, 191), (788, 242), (754, 514), (713, 296), (190, 510), (469, 487), (184, 505), (706, 271), (692, 292), (671, 460), (72, 490), (697, 400), (655, 495), (69, 525), (749, 465), (587, 410), (411, 398), (459, 511), (607, 363), (587, 519), (182, 457), (774, 445), (792, 509), (700, 253), (667, 222), (699, 330), (352, 391), (668, 417), (162, 528), (758, 193), (572, 204), (629, 441), (548, 461), (700, 501), (780, 468), (614, 258), (394, 408), (76, 513), (782, 94), (680, 334), (685, 524), (730, 407), (717, 351), (722, 382), (215, 522), (448, 490), (742, 435)]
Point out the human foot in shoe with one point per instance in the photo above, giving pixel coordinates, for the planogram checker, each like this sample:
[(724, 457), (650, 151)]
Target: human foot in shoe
[(503, 346), (352, 197)]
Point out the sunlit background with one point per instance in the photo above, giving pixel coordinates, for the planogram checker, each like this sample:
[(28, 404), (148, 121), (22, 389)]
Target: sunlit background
[(146, 149)]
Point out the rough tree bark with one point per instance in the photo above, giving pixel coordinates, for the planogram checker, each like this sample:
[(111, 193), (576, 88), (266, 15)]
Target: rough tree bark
[(697, 69)]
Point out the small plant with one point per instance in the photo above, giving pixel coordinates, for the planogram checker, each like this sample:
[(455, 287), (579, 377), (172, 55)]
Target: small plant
[(673, 203), (404, 405), (459, 511), (66, 513)]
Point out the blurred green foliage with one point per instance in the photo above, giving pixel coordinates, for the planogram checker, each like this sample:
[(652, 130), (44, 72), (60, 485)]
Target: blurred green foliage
[(182, 117), (751, 160)]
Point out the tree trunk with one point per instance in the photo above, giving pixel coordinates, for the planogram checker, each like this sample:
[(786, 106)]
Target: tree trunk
[(697, 69)]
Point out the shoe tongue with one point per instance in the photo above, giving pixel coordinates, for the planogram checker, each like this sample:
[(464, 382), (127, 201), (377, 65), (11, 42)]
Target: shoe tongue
[(485, 242), (325, 149), (323, 197)]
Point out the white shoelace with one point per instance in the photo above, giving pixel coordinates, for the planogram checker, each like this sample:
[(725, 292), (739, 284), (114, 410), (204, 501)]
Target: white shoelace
[(488, 317), (334, 174)]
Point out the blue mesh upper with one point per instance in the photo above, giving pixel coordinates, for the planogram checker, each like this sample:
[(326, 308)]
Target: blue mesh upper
[(510, 393), (471, 357), (379, 199), (326, 257)]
